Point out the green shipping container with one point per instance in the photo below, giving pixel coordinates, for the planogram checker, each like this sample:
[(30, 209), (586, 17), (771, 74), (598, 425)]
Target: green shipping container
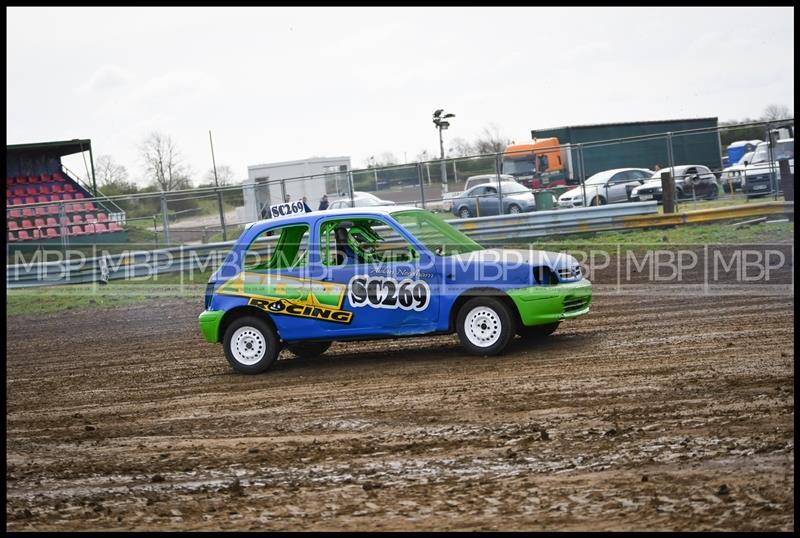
[(688, 148)]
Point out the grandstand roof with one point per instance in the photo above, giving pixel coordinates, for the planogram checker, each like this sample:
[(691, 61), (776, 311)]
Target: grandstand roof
[(64, 147)]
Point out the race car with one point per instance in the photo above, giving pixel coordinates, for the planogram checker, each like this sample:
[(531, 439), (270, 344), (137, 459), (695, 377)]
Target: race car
[(304, 280)]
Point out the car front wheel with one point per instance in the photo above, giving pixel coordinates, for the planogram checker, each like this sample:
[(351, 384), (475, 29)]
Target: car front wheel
[(485, 326), (514, 208), (251, 345), (464, 213)]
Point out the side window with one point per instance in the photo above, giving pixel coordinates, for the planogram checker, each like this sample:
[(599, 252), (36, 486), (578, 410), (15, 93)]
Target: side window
[(278, 248), (351, 241), (489, 191), (480, 191), (618, 178)]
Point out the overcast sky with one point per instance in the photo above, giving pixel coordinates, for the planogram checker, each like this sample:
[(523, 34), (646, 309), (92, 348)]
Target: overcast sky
[(277, 84)]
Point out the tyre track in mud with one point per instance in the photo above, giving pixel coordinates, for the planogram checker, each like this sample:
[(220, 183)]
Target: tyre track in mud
[(650, 413)]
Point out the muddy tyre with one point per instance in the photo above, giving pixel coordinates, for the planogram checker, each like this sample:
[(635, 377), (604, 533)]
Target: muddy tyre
[(485, 326), (308, 350), (251, 345), (538, 331)]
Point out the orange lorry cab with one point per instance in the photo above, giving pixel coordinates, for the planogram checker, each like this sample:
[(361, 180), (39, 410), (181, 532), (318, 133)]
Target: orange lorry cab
[(536, 164)]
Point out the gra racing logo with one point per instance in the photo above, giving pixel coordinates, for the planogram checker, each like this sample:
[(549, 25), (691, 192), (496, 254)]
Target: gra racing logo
[(284, 295), (282, 306)]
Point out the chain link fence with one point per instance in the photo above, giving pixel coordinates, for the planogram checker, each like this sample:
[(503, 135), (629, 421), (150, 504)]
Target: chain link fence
[(550, 176)]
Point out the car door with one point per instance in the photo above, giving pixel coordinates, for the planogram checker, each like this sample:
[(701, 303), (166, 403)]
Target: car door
[(488, 201), (707, 181), (691, 182), (615, 188), (371, 276)]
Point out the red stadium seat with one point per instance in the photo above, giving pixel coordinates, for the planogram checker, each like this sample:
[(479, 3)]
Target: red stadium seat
[(33, 179), (33, 191), (30, 200), (15, 213), (90, 218), (88, 206), (69, 188), (51, 233), (22, 180), (79, 196), (40, 211), (19, 191), (58, 176), (11, 237), (23, 235), (52, 210), (65, 221), (102, 217), (55, 197), (42, 199), (67, 197), (37, 234), (57, 188), (39, 223), (114, 227), (12, 225), (89, 228), (17, 201), (26, 223), (101, 228), (27, 212), (51, 221), (44, 189), (77, 219), (76, 230), (46, 177)]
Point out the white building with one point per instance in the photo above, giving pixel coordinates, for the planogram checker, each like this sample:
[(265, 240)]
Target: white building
[(270, 183)]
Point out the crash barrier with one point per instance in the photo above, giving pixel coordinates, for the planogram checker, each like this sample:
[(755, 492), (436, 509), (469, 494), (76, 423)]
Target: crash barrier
[(149, 263)]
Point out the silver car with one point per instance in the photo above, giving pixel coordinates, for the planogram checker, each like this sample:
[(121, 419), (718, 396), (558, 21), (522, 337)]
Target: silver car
[(484, 200), (360, 199), (606, 187)]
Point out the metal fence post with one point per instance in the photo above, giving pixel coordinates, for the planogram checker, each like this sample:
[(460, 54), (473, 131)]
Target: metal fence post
[(350, 187), (668, 191), (165, 217), (455, 172), (497, 168), (222, 215), (421, 185), (582, 178)]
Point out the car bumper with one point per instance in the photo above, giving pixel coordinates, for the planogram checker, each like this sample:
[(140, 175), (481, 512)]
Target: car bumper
[(570, 203), (209, 324), (541, 305)]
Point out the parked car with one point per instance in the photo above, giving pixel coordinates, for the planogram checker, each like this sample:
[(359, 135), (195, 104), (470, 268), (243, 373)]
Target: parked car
[(447, 198), (606, 187), (691, 181), (763, 176), (484, 200), (303, 281), (360, 199), (732, 175)]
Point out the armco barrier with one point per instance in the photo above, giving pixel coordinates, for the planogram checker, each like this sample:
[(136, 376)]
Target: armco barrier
[(523, 226)]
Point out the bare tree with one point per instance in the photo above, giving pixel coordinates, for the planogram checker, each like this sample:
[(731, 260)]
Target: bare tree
[(108, 173), (461, 148), (423, 156), (776, 112), (490, 141), (164, 163), (225, 175)]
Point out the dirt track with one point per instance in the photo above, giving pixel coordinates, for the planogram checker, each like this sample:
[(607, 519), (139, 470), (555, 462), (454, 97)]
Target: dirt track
[(651, 413)]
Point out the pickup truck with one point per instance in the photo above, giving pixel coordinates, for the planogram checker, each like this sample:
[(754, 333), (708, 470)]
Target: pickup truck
[(762, 176)]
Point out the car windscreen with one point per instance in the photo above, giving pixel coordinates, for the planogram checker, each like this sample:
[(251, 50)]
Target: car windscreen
[(784, 149), (437, 235)]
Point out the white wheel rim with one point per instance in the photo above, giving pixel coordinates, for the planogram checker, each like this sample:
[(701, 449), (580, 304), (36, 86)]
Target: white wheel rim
[(465, 213), (514, 209), (482, 326), (248, 345)]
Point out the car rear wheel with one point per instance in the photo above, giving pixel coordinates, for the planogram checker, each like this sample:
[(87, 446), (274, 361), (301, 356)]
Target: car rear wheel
[(251, 345), (514, 208), (538, 331), (485, 326), (598, 200), (307, 350), (464, 213)]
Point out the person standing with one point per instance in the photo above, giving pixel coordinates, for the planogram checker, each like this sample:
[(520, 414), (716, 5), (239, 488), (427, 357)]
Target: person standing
[(323, 204)]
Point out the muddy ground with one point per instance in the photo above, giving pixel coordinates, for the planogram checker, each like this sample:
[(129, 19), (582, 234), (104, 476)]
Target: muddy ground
[(657, 411)]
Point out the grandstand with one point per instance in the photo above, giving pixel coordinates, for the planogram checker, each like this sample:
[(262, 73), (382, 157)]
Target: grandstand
[(47, 203)]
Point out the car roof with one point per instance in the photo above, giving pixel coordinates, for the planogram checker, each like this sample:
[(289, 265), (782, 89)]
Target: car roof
[(609, 173), (305, 218), (492, 184)]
